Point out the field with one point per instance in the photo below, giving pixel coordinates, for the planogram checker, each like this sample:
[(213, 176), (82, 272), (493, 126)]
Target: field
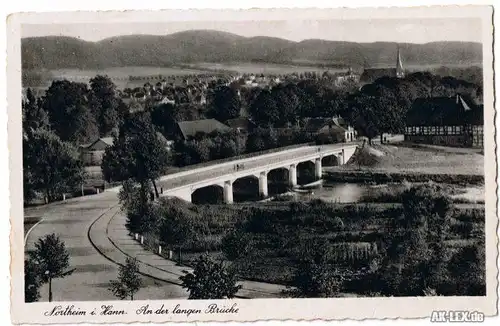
[(409, 158), (428, 67), (120, 75), (262, 68)]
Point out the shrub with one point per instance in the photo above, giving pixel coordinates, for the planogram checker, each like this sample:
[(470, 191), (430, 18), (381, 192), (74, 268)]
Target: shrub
[(210, 280), (235, 245), (316, 280)]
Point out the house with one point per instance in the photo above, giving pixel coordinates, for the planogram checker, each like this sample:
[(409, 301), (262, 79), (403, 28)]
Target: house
[(448, 121), (371, 74), (167, 100), (91, 154), (335, 127), (189, 129), (241, 124), (344, 78)]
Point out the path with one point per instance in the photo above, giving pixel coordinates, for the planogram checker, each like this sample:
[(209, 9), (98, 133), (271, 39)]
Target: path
[(112, 227)]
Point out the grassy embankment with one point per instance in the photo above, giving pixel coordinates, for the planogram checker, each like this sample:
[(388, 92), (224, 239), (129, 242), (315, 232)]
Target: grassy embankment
[(413, 163)]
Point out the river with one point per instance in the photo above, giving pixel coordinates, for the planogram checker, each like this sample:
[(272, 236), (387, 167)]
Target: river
[(356, 192)]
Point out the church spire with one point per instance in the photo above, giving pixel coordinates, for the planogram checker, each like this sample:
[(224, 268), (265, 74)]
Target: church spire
[(399, 66)]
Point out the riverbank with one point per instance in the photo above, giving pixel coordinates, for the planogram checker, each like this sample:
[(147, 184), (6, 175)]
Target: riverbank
[(366, 176)]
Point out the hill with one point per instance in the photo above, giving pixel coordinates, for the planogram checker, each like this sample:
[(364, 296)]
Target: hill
[(55, 52)]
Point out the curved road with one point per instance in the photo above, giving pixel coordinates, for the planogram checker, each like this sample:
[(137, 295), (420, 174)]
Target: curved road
[(90, 280), (72, 219)]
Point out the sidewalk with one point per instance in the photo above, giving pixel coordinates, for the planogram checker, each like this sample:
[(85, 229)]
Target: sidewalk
[(97, 234), (114, 240)]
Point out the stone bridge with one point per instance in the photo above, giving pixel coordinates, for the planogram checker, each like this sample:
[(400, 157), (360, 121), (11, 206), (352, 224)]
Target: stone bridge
[(184, 184)]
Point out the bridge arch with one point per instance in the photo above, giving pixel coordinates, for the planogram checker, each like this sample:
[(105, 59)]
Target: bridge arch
[(246, 188), (331, 160), (306, 172), (278, 180), (213, 194)]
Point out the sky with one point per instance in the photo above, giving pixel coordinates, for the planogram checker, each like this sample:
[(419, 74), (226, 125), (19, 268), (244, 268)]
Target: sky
[(353, 30)]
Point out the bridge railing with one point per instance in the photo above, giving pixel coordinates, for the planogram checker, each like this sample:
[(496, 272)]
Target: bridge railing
[(235, 158)]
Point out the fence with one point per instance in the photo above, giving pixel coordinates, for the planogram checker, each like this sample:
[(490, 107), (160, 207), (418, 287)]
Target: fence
[(151, 243)]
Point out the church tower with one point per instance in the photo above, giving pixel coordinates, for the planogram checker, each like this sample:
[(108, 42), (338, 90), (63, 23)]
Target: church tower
[(400, 73)]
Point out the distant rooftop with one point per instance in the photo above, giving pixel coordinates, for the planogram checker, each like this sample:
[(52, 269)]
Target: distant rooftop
[(207, 126)]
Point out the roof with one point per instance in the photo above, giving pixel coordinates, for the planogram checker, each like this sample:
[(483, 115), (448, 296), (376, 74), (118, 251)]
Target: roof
[(98, 144), (438, 111), (372, 74), (206, 126), (108, 140), (316, 124), (241, 123)]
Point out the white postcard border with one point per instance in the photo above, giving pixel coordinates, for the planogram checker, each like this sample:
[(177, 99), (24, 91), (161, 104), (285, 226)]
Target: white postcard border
[(260, 309)]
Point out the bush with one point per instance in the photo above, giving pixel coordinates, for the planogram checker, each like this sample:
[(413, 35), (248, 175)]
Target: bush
[(210, 280), (316, 281), (235, 245)]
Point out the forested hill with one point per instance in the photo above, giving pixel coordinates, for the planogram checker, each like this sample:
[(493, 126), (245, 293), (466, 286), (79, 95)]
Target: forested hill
[(53, 52)]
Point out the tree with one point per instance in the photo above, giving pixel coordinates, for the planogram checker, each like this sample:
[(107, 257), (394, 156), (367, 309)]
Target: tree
[(138, 153), (33, 118), (180, 227), (164, 117), (51, 258), (33, 115), (375, 111), (32, 281), (236, 245), (262, 139), (50, 165), (287, 104), (264, 109), (314, 280), (226, 103), (467, 268), (104, 103), (129, 281), (416, 253), (68, 108), (210, 280)]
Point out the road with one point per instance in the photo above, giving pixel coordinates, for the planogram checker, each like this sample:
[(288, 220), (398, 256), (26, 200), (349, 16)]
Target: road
[(90, 280)]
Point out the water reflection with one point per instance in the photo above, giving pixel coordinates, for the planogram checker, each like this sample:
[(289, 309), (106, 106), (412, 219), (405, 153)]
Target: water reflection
[(353, 192)]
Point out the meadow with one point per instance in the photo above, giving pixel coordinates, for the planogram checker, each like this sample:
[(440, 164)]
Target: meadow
[(121, 75), (263, 68), (416, 158)]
